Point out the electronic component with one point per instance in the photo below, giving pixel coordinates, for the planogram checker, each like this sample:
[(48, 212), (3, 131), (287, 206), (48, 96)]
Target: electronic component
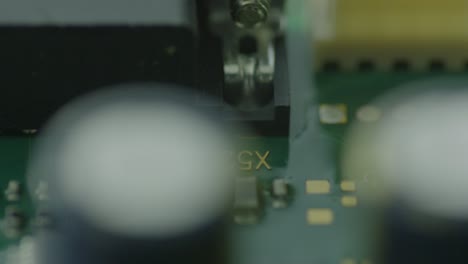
[(252, 46), (333, 113), (49, 60), (280, 188), (413, 161), (280, 191), (317, 187), (348, 186), (349, 201), (320, 216), (386, 35), (122, 189), (13, 222), (43, 219), (13, 191), (41, 192), (247, 203)]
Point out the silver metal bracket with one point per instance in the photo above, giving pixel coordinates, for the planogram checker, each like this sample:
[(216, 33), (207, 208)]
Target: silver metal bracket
[(248, 29)]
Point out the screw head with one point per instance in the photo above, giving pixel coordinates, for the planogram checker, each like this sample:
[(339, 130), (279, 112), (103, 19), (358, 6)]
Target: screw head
[(250, 13)]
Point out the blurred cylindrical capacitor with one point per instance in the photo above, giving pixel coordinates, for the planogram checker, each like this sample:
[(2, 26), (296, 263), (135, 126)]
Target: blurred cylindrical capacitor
[(412, 164), (137, 174)]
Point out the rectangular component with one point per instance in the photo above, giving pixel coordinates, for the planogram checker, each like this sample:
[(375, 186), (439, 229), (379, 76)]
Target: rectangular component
[(388, 34), (348, 186), (247, 207), (333, 114), (317, 187), (54, 51), (349, 201), (320, 216)]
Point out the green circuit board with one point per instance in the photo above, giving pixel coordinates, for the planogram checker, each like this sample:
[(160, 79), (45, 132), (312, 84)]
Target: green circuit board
[(282, 235)]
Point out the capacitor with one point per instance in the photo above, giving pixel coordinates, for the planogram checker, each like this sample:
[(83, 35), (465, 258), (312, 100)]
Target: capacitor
[(280, 193), (138, 173), (412, 166)]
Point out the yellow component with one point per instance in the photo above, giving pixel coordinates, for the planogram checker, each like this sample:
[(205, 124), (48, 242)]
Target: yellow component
[(320, 216), (349, 201), (333, 114), (348, 186), (387, 31), (348, 261), (317, 187)]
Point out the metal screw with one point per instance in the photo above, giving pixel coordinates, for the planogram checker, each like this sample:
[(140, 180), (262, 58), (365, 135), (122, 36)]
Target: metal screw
[(250, 13)]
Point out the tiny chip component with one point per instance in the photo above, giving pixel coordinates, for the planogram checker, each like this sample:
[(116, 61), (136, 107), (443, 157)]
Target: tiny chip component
[(280, 192), (13, 191), (333, 114), (43, 219), (42, 191), (320, 216), (318, 187), (247, 202), (349, 201), (13, 222), (348, 186), (280, 188)]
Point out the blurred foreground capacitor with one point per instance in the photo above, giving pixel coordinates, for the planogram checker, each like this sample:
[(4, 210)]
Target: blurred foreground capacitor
[(136, 174), (412, 165)]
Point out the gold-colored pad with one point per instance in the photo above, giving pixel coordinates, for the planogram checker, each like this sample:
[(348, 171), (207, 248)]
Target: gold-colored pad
[(348, 261), (333, 114), (349, 201), (317, 187), (319, 216), (348, 186)]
